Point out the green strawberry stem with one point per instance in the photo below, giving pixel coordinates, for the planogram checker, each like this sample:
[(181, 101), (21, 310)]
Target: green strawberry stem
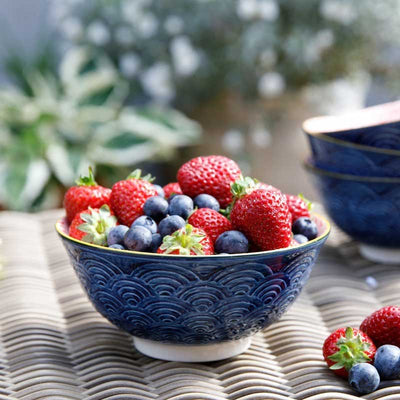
[(137, 174), (97, 224), (87, 180), (239, 188), (351, 351), (309, 204), (184, 240)]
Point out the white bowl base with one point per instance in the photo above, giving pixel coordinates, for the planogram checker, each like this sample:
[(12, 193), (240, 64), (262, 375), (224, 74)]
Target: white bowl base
[(191, 353), (383, 255)]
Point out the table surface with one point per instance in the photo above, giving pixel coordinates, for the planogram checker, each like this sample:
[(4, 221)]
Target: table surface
[(54, 345)]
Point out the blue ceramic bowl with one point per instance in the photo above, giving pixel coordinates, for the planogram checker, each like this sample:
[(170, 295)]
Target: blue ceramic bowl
[(367, 209), (336, 155), (192, 300), (372, 128)]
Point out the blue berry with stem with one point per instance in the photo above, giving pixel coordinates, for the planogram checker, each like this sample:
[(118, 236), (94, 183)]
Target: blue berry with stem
[(305, 226), (146, 222), (181, 205), (156, 240), (116, 234), (364, 378), (231, 242), (387, 361), (206, 201), (170, 224), (156, 207), (137, 238)]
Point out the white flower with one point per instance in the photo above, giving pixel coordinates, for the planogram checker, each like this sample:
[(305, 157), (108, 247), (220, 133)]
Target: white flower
[(124, 36), (72, 28), (131, 10), (268, 10), (173, 25), (271, 84), (147, 25), (322, 41), (98, 33), (268, 58), (157, 82), (129, 64), (185, 58), (233, 141), (260, 136), (338, 11), (247, 9)]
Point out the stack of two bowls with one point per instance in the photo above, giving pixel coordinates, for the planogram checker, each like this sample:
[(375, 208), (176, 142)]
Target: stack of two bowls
[(355, 164)]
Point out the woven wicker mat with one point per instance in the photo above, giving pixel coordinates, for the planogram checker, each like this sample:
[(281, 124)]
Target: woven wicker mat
[(54, 345)]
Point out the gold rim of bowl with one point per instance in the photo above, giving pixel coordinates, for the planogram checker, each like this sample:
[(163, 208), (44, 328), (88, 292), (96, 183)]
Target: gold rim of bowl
[(348, 177), (323, 235)]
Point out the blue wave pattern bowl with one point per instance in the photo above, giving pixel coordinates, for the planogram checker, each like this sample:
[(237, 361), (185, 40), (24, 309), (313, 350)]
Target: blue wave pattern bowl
[(343, 157), (192, 308), (371, 128), (367, 209)]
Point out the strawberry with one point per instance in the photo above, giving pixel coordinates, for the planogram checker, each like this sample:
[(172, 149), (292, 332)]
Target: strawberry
[(383, 326), (346, 347), (299, 206), (261, 214), (86, 194), (212, 175), (91, 225), (172, 188), (211, 221), (187, 241), (128, 196)]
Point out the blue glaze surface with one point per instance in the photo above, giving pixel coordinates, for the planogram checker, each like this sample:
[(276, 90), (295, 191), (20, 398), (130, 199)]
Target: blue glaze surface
[(336, 156), (192, 300), (384, 136), (366, 209)]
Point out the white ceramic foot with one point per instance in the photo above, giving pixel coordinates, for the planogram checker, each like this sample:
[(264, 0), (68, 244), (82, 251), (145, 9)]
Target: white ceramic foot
[(382, 255), (191, 353)]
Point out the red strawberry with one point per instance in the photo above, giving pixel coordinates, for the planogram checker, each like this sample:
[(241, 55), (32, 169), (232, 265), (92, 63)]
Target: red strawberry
[(212, 175), (211, 221), (128, 197), (383, 326), (87, 194), (261, 214), (261, 185), (187, 241), (172, 188), (346, 347), (298, 206), (91, 225)]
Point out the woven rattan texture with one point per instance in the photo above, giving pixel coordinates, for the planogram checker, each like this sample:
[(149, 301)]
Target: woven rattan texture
[(54, 345)]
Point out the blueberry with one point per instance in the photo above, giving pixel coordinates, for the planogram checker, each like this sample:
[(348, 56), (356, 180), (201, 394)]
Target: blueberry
[(116, 235), (160, 191), (172, 196), (206, 201), (387, 361), (231, 242), (117, 246), (364, 378), (156, 241), (170, 224), (305, 226), (137, 238), (146, 222), (300, 238), (181, 205), (156, 207)]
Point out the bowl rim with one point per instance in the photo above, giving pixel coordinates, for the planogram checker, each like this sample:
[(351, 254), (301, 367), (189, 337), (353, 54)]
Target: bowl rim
[(348, 177), (324, 235), (324, 137)]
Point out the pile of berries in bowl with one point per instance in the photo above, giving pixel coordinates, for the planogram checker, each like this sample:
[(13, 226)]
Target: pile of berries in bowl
[(369, 354), (194, 269), (355, 165)]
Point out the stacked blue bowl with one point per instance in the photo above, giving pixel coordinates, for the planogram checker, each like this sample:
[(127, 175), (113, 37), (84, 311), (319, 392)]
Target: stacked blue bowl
[(355, 164)]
